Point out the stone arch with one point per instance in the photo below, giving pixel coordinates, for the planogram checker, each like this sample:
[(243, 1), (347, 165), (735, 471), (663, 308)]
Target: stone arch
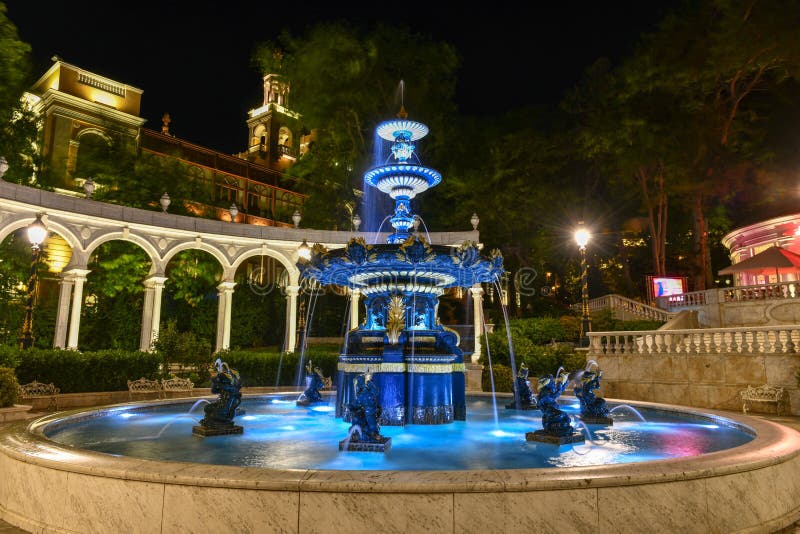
[(285, 136), (94, 131), (156, 266), (214, 251), (64, 231), (294, 272)]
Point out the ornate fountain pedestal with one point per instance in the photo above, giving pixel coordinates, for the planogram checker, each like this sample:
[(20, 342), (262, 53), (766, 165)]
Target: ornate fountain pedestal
[(415, 361)]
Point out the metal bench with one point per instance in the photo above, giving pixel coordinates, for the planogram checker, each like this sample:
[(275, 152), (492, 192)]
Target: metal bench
[(143, 386), (763, 393), (34, 390), (178, 385)]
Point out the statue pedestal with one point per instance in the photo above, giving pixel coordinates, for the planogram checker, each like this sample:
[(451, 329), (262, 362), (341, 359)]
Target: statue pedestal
[(361, 446), (543, 437), (204, 431), (474, 374), (589, 420)]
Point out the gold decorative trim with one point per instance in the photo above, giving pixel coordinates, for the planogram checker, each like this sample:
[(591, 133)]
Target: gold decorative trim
[(429, 368)]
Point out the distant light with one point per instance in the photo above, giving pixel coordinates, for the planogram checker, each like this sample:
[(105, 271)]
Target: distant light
[(304, 251)]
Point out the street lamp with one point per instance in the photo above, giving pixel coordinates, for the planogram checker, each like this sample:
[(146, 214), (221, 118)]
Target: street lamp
[(36, 234), (582, 236)]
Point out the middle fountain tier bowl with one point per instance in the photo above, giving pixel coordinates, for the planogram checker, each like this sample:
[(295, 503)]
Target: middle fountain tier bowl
[(414, 360)]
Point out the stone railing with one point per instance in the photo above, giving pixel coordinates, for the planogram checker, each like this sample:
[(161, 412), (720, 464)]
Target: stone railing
[(749, 340), (623, 307), (782, 290)]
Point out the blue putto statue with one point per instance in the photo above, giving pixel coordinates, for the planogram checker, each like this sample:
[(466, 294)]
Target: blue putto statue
[(593, 408), (556, 424), (220, 413), (315, 381), (365, 411), (524, 398)]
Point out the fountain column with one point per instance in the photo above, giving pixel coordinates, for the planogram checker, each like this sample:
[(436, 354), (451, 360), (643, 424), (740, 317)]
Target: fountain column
[(62, 316), (477, 319), (79, 277), (225, 294), (291, 317), (355, 296)]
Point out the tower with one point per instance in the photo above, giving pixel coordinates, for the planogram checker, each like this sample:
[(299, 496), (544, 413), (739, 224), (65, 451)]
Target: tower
[(274, 129)]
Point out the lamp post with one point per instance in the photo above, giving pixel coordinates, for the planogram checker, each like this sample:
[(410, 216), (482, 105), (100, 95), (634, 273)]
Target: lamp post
[(36, 234), (582, 236)]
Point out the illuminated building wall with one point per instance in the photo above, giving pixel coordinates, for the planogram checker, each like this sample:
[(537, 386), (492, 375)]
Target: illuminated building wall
[(79, 107)]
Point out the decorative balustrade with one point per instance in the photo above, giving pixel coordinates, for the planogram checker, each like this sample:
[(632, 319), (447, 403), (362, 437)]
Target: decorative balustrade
[(753, 340), (618, 303), (782, 290)]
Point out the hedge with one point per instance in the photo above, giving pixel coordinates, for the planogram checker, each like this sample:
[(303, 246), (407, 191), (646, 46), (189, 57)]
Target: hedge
[(276, 369), (9, 387), (502, 379), (79, 372)]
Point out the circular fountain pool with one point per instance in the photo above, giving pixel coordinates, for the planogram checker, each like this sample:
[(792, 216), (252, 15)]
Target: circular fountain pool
[(672, 486), (281, 435)]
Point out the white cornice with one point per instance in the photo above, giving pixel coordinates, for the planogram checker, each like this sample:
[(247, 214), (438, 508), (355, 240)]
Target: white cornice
[(52, 98), (56, 65)]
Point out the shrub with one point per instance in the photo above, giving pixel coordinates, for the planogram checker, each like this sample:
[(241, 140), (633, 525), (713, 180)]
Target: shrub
[(183, 348), (9, 387), (541, 330), (604, 321), (503, 381), (78, 372), (498, 347), (9, 356), (572, 327)]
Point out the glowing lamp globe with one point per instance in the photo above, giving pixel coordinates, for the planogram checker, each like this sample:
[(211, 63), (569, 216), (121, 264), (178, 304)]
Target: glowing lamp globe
[(582, 236), (37, 232)]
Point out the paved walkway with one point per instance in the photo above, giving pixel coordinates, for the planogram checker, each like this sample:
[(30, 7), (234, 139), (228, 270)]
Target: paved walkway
[(790, 421)]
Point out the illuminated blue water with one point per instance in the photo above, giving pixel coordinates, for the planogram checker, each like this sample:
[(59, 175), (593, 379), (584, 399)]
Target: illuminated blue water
[(278, 434)]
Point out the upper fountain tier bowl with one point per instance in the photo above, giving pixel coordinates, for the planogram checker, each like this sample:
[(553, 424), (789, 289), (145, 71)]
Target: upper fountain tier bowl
[(414, 266), (401, 128)]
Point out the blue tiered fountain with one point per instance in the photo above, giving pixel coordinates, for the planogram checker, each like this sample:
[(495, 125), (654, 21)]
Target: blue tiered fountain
[(413, 359)]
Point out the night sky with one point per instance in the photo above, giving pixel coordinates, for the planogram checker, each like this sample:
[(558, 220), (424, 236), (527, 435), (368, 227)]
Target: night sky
[(193, 59)]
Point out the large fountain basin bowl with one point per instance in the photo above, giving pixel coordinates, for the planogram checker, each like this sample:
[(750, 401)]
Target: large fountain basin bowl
[(50, 487)]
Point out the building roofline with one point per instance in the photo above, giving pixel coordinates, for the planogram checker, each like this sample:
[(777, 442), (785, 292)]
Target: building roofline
[(58, 63)]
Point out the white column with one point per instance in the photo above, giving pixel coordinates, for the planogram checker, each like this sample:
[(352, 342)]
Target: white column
[(62, 315), (291, 317), (225, 293), (355, 295), (145, 340), (79, 277), (158, 288), (477, 314), (151, 311)]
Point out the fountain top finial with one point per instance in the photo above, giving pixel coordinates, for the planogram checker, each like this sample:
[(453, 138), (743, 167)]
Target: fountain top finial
[(402, 114)]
